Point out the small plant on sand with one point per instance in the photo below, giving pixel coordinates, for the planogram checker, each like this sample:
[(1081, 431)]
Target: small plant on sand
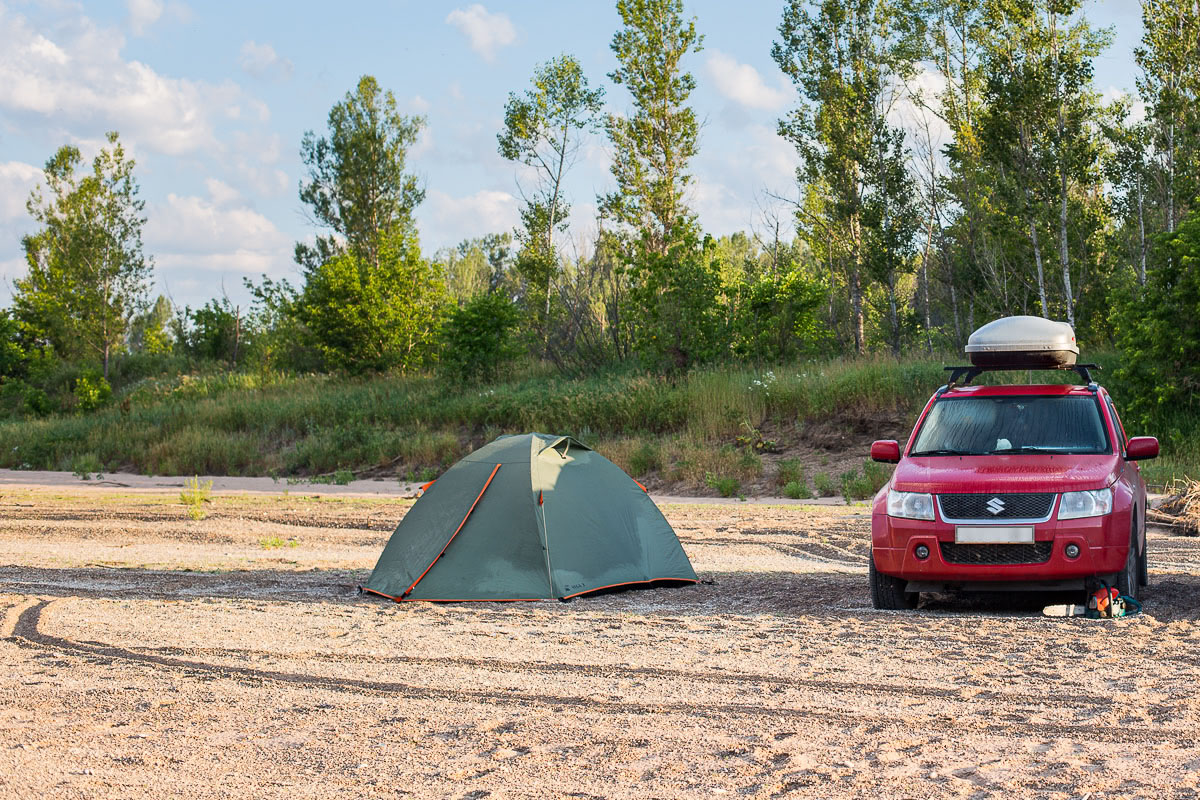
[(796, 490), (726, 487), (275, 542), (194, 496), (428, 474), (824, 484)]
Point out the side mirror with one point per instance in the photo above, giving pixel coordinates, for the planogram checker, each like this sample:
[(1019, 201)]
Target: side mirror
[(888, 451), (1139, 447)]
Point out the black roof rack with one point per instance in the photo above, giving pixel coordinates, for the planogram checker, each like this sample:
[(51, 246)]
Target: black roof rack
[(961, 376)]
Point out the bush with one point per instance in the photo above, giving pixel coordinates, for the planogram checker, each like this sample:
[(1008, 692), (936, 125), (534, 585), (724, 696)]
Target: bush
[(796, 490), (860, 486), (790, 471), (726, 487), (824, 485), (92, 391), (477, 339), (646, 458)]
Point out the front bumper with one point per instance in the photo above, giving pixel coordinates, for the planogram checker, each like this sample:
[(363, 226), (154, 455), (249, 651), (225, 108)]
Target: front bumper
[(1103, 547)]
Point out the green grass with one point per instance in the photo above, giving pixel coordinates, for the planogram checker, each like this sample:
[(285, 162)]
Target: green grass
[(265, 423)]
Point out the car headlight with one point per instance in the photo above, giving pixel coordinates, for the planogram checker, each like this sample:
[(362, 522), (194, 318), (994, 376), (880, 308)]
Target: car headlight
[(1092, 503), (910, 505)]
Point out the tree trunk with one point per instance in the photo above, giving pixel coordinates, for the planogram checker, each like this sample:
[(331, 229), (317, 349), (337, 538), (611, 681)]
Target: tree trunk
[(1062, 175), (1141, 233), (895, 317), (1037, 257), (856, 309)]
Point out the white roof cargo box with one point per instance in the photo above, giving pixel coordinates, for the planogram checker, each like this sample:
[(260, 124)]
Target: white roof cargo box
[(1032, 342)]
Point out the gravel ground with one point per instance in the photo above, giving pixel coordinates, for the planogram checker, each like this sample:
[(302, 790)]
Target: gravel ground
[(147, 654)]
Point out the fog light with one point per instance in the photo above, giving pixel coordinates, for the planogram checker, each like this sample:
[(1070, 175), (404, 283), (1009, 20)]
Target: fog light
[(921, 552), (1071, 551)]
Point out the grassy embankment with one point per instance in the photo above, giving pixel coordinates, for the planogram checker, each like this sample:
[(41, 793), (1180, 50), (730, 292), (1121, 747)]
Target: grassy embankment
[(792, 430)]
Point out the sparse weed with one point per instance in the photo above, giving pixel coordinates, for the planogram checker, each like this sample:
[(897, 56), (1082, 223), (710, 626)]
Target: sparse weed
[(275, 542), (194, 495)]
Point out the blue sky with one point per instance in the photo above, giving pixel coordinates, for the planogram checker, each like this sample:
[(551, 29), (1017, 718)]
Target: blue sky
[(213, 98)]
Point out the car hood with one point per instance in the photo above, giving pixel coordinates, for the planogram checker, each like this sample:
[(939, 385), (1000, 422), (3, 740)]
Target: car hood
[(1015, 473)]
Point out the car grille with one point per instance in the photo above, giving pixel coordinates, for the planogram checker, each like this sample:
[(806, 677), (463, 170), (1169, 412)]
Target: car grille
[(1029, 553), (1006, 506)]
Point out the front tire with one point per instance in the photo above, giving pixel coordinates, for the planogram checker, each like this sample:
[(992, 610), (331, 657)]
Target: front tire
[(887, 592)]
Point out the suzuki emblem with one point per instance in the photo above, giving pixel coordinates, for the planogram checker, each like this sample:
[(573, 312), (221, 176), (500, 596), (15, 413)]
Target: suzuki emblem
[(995, 505)]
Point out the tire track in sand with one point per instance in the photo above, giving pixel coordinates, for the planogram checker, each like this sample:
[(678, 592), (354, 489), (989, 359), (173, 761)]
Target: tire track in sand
[(27, 633)]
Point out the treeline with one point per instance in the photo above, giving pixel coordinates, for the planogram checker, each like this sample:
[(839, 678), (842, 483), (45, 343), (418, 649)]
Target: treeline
[(1013, 186)]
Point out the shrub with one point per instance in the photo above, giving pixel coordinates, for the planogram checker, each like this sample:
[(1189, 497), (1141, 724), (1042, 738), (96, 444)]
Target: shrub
[(856, 486), (646, 458), (92, 391), (84, 466), (824, 485), (796, 490), (726, 487), (477, 339), (790, 471)]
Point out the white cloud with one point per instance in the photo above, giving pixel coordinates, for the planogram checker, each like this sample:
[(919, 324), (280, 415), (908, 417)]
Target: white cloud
[(81, 81), (743, 84), (1137, 106), (485, 31), (445, 220), (143, 14), (419, 104), (261, 61), (198, 241)]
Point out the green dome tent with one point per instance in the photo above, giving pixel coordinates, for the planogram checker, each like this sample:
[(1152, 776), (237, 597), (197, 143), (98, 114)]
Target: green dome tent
[(526, 518)]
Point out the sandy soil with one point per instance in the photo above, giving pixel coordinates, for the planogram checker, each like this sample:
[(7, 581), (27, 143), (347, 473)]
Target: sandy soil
[(147, 654)]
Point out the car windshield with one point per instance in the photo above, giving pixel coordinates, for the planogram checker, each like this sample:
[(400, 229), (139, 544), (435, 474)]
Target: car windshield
[(979, 426)]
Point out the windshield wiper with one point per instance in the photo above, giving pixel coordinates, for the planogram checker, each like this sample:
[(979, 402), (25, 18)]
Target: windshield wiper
[(944, 452), (1054, 451)]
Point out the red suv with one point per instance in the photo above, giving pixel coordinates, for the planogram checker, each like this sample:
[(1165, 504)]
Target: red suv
[(1010, 488)]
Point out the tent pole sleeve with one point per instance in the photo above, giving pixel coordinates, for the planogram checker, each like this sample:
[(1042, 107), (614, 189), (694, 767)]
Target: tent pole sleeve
[(456, 530)]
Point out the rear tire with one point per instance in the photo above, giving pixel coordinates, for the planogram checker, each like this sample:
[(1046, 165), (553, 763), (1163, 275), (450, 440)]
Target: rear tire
[(1128, 578), (887, 592), (1144, 560)]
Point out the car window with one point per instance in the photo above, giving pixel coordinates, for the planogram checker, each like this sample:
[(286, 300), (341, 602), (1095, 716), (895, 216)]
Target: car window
[(1012, 424), (1112, 412)]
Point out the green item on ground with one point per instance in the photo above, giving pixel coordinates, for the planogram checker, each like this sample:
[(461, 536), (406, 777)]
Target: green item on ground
[(529, 517)]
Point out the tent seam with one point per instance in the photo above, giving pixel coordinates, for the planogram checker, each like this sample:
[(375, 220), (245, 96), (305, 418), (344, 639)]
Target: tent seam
[(420, 577)]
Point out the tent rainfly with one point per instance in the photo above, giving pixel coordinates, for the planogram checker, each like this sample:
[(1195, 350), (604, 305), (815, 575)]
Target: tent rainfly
[(529, 517)]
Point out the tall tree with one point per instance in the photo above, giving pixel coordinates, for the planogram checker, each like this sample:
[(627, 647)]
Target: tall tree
[(653, 145), (370, 301), (543, 130), (88, 275), (1040, 126), (672, 286), (845, 58), (356, 184), (1169, 57)]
